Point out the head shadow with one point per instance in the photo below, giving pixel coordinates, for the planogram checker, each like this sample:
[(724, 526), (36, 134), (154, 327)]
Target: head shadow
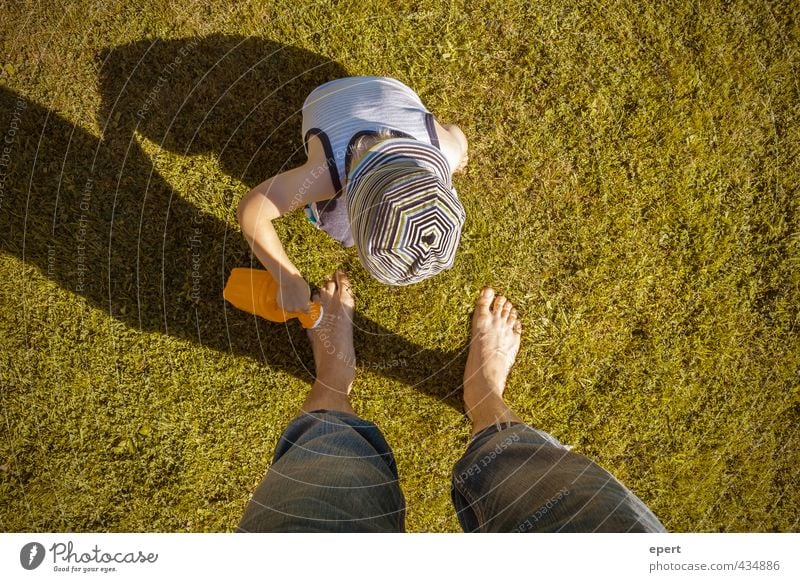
[(96, 216), (238, 98)]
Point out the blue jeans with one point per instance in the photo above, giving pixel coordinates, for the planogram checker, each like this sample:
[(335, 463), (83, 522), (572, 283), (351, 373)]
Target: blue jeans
[(334, 472)]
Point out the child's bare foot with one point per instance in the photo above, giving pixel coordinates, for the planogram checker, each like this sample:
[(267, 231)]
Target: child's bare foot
[(495, 341), (332, 344)]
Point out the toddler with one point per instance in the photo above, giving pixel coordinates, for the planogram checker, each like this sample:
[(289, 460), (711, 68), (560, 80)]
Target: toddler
[(378, 176)]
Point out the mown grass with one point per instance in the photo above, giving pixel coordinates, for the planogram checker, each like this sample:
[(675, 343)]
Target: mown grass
[(632, 187)]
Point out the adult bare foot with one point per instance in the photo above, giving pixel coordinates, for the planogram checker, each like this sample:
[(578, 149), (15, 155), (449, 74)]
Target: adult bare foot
[(332, 344), (495, 342)]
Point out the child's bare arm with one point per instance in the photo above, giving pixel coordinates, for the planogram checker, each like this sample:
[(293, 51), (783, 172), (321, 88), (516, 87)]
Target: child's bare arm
[(273, 198), (460, 145), (454, 145)]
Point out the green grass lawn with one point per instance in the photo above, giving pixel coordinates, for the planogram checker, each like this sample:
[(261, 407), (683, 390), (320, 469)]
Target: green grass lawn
[(633, 187)]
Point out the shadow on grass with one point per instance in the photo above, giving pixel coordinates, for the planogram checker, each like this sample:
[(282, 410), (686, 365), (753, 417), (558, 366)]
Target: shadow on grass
[(96, 217)]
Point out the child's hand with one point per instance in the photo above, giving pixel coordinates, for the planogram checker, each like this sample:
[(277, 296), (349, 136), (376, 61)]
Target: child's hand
[(294, 293)]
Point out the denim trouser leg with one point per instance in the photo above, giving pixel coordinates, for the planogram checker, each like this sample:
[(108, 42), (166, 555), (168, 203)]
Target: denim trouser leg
[(332, 472), (517, 478)]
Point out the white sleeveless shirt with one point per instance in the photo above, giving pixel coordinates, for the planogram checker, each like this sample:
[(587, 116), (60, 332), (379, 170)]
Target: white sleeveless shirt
[(343, 110)]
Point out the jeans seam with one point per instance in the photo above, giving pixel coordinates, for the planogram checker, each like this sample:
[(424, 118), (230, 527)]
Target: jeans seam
[(472, 504)]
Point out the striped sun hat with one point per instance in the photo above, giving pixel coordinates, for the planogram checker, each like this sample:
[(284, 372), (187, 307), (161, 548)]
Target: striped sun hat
[(404, 213)]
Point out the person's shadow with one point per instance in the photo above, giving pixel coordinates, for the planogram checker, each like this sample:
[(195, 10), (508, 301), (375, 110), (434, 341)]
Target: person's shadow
[(95, 215)]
